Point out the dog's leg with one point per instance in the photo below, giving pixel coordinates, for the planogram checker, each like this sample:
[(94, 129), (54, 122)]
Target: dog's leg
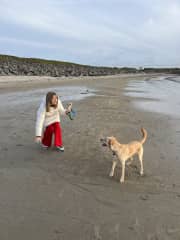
[(112, 169), (140, 155), (129, 162), (123, 171)]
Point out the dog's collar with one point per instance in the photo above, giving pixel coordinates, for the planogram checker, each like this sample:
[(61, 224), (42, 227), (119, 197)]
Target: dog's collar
[(113, 153)]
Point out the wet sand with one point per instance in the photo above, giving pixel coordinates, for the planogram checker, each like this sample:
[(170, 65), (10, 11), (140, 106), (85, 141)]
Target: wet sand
[(47, 195)]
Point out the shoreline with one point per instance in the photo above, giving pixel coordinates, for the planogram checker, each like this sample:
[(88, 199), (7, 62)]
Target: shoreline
[(13, 83)]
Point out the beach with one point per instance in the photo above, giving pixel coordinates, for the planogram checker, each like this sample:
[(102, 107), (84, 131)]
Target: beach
[(48, 195)]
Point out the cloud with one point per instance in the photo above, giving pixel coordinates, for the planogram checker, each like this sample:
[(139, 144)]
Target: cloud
[(121, 32), (27, 43)]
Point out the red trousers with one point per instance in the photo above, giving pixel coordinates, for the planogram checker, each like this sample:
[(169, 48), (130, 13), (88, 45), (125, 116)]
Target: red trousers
[(55, 129)]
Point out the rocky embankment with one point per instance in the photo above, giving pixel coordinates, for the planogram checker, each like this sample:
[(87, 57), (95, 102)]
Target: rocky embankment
[(10, 65)]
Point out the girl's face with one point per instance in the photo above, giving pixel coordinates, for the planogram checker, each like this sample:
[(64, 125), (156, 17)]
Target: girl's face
[(54, 100)]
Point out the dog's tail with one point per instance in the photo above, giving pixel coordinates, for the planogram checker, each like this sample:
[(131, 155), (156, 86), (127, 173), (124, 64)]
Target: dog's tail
[(144, 133)]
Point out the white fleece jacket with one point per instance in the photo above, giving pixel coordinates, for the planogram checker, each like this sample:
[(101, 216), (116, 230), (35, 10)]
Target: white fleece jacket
[(46, 118)]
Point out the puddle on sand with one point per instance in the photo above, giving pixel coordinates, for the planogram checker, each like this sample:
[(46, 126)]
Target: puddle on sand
[(159, 94), (72, 93)]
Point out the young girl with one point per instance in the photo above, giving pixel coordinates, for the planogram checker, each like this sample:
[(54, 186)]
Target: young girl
[(48, 116)]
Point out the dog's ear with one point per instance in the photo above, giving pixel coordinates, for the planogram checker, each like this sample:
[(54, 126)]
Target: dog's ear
[(109, 141)]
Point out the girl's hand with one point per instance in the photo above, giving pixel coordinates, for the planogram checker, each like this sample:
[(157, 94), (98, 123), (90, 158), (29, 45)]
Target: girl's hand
[(38, 139), (69, 108)]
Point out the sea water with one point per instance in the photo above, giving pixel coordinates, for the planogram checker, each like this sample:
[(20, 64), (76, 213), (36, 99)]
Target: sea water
[(156, 94)]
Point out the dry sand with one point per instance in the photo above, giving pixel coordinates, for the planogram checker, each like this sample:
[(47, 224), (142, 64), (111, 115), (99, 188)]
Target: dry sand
[(47, 195)]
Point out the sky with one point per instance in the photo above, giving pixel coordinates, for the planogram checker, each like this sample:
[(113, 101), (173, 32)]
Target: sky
[(132, 33)]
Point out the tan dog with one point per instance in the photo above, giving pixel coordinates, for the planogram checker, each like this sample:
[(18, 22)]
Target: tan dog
[(125, 152)]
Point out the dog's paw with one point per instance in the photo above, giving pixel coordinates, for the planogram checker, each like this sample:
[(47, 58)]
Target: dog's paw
[(121, 180), (111, 174)]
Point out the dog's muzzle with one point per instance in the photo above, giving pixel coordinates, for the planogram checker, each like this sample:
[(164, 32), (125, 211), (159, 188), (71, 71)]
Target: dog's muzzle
[(103, 141)]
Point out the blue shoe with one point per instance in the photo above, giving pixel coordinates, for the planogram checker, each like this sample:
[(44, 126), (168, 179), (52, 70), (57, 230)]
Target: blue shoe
[(60, 148)]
